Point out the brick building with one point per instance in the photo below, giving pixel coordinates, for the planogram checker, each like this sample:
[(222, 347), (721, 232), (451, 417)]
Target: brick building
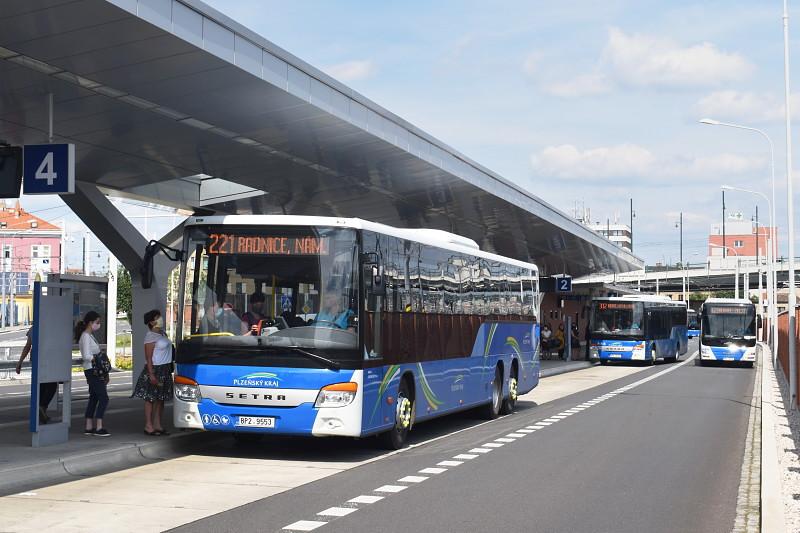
[(31, 249), (741, 239)]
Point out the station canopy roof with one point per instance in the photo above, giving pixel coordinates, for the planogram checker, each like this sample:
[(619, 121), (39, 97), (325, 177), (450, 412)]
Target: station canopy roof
[(171, 101)]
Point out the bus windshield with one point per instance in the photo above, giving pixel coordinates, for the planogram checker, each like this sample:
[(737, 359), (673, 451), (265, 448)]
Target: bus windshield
[(616, 319), (723, 323), (269, 295), (692, 319)]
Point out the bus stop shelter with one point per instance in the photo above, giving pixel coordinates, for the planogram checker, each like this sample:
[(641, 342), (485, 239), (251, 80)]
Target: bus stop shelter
[(172, 102)]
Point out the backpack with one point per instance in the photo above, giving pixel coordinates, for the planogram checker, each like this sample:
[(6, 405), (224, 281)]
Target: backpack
[(101, 364)]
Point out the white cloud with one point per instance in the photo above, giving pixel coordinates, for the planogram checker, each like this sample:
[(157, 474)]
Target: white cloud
[(351, 70), (650, 61), (567, 161), (604, 165), (583, 85), (746, 107)]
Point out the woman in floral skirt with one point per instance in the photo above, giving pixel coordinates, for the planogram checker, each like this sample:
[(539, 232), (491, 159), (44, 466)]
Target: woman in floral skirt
[(155, 382)]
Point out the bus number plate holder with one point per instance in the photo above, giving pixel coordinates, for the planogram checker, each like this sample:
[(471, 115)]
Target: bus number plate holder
[(256, 422)]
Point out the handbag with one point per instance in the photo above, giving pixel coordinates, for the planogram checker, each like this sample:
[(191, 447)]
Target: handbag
[(101, 364)]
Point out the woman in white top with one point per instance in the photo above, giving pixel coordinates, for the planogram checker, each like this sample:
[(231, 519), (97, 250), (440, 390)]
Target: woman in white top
[(98, 393), (155, 382)]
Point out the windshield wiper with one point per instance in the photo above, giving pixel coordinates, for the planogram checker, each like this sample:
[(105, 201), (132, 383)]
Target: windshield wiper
[(333, 365)]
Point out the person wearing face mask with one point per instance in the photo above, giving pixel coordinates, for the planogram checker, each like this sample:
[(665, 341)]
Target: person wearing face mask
[(98, 392), (154, 385), (255, 315)]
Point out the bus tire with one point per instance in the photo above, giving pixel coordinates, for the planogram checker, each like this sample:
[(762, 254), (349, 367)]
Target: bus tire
[(652, 360), (492, 409), (604, 362), (396, 438), (749, 364), (510, 403)]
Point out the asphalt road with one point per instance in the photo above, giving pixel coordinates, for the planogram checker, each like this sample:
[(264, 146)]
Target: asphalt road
[(663, 455)]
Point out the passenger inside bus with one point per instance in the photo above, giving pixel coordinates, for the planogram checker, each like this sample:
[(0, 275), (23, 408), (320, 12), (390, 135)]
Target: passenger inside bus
[(252, 318)]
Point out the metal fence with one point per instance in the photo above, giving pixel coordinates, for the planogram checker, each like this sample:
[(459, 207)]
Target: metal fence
[(783, 346)]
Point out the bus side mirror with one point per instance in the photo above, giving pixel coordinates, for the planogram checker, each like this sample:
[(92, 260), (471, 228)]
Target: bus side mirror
[(375, 278)]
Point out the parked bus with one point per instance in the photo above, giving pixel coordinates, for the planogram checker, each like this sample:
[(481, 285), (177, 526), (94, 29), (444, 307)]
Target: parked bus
[(693, 324), (300, 325), (728, 330), (637, 328)]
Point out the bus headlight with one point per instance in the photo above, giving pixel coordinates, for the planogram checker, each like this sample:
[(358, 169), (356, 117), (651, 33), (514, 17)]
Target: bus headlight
[(337, 395), (594, 351), (187, 389), (705, 351)]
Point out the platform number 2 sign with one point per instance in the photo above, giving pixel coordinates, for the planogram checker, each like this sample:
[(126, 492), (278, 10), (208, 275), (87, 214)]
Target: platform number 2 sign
[(49, 168), (563, 284)]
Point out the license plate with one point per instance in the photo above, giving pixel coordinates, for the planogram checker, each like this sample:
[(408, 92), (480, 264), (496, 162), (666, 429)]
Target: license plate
[(256, 421)]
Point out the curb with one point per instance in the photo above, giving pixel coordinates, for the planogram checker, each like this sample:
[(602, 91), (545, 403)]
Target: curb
[(772, 519), (92, 463), (563, 369)]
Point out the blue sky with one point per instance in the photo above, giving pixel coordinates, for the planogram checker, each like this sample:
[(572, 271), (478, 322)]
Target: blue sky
[(581, 102)]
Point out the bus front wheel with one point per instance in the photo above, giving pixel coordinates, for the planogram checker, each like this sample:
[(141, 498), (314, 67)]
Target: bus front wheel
[(492, 409), (652, 360), (396, 438)]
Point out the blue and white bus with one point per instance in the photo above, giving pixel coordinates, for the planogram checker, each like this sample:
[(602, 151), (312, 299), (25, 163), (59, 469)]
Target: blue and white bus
[(728, 330), (637, 328), (693, 324), (299, 325)]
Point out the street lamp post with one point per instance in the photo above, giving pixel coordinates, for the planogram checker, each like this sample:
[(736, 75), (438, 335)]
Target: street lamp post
[(736, 277), (771, 290), (773, 227), (789, 213)]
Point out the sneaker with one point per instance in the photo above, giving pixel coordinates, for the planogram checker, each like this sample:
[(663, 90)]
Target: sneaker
[(102, 432), (88, 432)]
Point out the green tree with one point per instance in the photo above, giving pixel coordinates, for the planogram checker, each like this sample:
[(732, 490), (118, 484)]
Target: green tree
[(124, 296)]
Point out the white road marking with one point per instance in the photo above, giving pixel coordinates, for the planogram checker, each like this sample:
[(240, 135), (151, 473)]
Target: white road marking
[(523, 430), (338, 511), (365, 499), (391, 488), (304, 525), (542, 424), (449, 463), (551, 420), (465, 456), (432, 470), (492, 444), (535, 427), (503, 439), (559, 417), (413, 479), (480, 450)]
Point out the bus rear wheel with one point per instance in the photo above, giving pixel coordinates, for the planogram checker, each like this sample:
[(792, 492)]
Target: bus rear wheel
[(492, 409), (396, 438), (513, 391)]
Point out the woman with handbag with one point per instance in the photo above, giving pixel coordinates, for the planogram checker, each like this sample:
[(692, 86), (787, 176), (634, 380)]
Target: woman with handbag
[(154, 385), (95, 367)]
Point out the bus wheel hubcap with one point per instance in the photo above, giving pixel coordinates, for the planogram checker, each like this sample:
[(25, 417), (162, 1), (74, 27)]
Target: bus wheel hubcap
[(403, 412), (512, 389)]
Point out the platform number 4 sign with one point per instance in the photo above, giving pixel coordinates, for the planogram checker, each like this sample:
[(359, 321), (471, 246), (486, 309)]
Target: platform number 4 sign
[(564, 284), (49, 169)]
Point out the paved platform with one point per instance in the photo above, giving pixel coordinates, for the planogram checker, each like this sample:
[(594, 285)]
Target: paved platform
[(23, 467)]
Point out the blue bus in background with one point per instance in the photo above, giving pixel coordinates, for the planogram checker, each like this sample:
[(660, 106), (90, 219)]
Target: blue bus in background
[(728, 330), (637, 328), (693, 323), (300, 325)]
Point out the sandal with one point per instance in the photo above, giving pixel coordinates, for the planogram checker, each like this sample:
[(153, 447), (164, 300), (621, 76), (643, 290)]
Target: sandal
[(152, 433), (161, 432)]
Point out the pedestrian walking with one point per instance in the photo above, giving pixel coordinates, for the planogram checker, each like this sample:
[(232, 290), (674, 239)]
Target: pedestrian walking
[(154, 385), (96, 374), (46, 390)]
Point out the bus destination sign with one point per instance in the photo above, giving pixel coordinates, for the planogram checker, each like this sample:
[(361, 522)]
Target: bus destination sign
[(615, 305), (227, 243), (728, 310)]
